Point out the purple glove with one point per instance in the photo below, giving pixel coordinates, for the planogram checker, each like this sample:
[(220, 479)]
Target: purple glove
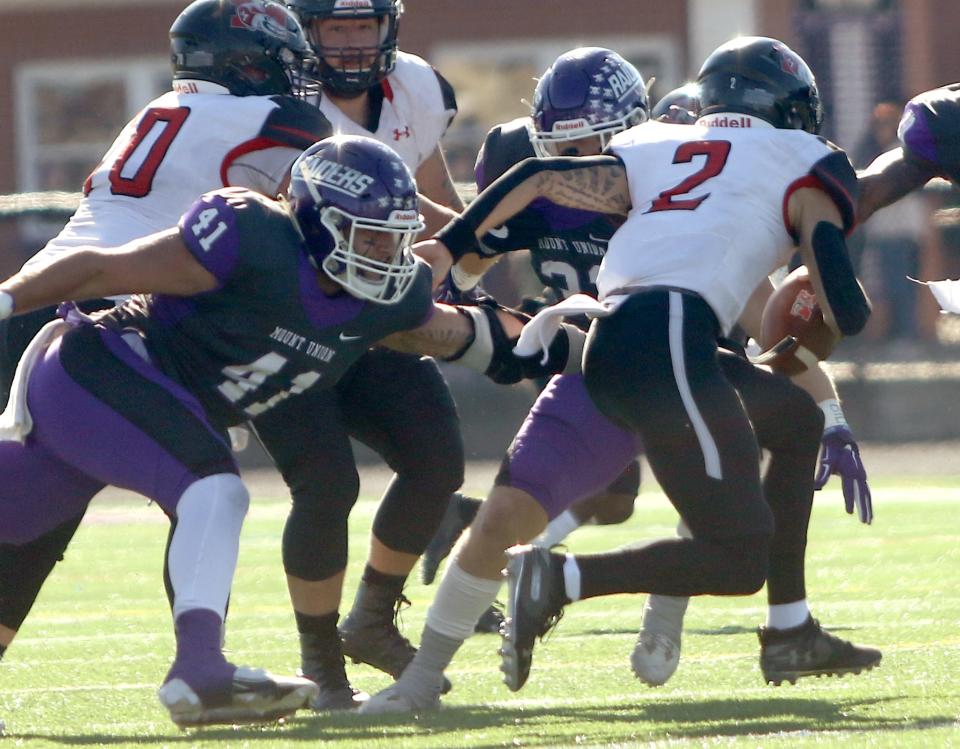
[(839, 454)]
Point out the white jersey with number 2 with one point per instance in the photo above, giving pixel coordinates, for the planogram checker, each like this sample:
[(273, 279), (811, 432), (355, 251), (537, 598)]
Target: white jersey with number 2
[(709, 207)]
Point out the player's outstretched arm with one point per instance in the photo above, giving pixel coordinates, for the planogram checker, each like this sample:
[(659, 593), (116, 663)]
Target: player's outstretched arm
[(158, 263), (597, 183), (890, 176)]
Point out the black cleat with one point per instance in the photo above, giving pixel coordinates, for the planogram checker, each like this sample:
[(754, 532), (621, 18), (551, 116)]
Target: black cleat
[(461, 511), (535, 601), (809, 650), (490, 621), (378, 642)]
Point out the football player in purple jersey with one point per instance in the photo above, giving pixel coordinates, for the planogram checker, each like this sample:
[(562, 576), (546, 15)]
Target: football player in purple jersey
[(248, 303)]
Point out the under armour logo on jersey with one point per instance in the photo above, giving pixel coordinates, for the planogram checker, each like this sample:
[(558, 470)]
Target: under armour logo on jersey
[(398, 133)]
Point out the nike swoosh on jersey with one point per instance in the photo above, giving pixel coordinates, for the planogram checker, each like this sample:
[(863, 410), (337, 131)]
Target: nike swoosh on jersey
[(601, 240), (346, 338)]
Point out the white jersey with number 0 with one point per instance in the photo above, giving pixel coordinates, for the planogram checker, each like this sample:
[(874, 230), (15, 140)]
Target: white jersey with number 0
[(709, 204), (178, 147)]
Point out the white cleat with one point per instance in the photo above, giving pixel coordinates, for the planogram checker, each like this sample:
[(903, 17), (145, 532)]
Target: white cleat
[(655, 658), (255, 696), (396, 700)]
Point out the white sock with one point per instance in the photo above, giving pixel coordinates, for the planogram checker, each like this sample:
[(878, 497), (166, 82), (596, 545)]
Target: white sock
[(571, 578), (557, 530), (787, 615), (461, 599), (205, 545)]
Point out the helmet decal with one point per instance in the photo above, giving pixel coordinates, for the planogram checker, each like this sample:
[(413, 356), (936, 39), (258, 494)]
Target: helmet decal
[(254, 14)]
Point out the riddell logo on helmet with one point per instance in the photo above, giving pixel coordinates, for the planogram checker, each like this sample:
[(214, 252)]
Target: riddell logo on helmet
[(341, 4), (741, 121), (567, 125)]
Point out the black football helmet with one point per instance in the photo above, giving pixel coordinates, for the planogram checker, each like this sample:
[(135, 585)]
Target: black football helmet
[(680, 106), (252, 47), (763, 77), (352, 75)]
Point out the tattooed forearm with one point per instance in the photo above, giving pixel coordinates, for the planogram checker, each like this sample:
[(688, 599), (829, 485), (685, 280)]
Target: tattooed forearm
[(595, 188), (446, 333)]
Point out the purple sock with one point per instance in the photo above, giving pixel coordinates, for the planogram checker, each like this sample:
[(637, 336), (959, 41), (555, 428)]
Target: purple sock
[(199, 660)]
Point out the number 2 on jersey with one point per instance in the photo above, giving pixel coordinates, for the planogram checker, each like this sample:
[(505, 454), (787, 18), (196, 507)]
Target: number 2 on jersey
[(157, 129), (716, 152)]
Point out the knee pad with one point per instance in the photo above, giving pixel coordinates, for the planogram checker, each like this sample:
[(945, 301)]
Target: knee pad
[(315, 534)]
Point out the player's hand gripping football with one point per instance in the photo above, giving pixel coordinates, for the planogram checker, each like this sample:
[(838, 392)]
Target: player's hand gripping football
[(840, 455)]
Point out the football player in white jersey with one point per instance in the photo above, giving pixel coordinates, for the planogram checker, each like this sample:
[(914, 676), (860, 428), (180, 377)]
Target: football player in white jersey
[(710, 210), (236, 117)]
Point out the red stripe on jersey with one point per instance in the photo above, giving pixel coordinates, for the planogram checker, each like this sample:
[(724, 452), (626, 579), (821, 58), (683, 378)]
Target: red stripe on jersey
[(387, 89), (808, 180), (306, 135), (249, 146)]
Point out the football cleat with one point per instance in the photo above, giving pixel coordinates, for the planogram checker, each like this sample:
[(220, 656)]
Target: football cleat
[(490, 621), (535, 601), (655, 658), (460, 512), (254, 696), (656, 655), (401, 698), (377, 641), (809, 650), (336, 692)]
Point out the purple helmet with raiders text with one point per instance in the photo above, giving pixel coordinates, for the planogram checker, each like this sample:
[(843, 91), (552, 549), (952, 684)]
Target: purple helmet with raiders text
[(680, 106), (349, 71), (587, 92), (762, 77), (356, 204), (251, 47)]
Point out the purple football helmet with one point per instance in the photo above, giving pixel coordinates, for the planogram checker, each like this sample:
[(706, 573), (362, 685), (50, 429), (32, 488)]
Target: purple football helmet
[(356, 203), (587, 91)]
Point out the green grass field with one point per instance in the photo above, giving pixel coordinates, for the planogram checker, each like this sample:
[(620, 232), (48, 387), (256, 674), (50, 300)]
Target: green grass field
[(86, 667)]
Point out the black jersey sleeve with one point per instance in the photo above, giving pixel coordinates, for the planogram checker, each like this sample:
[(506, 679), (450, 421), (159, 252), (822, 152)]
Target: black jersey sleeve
[(836, 176), (295, 124), (448, 94)]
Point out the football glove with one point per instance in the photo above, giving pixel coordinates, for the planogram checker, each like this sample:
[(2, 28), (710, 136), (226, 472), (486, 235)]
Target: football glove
[(840, 455)]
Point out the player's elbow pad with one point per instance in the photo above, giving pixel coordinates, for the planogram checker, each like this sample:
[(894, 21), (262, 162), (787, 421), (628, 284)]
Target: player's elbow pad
[(845, 296)]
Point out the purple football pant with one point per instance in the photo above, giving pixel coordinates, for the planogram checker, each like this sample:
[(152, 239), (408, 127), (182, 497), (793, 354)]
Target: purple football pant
[(566, 450), (102, 415)]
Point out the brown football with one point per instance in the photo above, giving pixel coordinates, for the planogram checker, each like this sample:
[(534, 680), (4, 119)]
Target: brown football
[(792, 310)]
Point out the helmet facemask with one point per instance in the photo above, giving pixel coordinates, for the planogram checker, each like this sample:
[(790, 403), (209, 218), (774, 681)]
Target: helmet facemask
[(384, 281), (547, 144)]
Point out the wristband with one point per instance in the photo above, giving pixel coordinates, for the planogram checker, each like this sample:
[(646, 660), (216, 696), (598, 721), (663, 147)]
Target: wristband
[(833, 414), (463, 280), (459, 238), (6, 305)]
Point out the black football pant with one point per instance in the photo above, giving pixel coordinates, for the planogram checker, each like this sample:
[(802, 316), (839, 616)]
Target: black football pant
[(400, 406), (653, 366)]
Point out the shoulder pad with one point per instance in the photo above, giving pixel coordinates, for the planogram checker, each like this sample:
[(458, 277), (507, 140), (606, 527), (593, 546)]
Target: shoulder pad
[(295, 123), (838, 179), (448, 94), (504, 146)]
